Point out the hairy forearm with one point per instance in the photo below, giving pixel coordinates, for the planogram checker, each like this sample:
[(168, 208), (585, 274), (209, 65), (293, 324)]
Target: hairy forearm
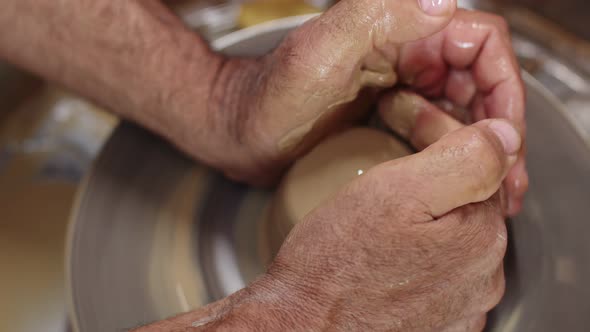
[(133, 57), (266, 305)]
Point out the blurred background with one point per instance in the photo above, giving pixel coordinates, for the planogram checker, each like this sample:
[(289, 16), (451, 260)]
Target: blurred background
[(49, 137)]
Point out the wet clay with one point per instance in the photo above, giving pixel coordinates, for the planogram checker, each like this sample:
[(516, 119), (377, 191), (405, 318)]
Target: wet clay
[(326, 169)]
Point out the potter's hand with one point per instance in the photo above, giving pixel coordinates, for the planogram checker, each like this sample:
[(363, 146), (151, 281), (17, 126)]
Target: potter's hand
[(277, 107), (415, 244), (471, 64), (422, 123), (291, 97), (251, 118)]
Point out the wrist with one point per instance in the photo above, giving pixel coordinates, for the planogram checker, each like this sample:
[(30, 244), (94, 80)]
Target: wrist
[(268, 304), (301, 306), (229, 138), (176, 107), (232, 105)]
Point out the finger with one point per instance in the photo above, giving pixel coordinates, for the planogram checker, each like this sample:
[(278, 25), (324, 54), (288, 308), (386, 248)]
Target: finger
[(475, 323), (372, 30), (422, 123), (380, 23), (328, 61), (415, 118), (517, 180), (476, 42), (457, 112), (400, 21), (460, 88), (517, 184), (465, 166)]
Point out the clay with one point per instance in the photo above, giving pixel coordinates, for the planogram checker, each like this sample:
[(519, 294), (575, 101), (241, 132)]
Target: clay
[(323, 171)]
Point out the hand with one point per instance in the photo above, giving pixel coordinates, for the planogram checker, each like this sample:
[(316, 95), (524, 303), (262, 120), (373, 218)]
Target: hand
[(471, 64), (277, 107), (252, 117), (415, 244)]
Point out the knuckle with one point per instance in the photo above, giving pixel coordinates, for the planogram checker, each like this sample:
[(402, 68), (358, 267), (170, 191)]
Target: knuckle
[(397, 193), (485, 157), (406, 190), (485, 144)]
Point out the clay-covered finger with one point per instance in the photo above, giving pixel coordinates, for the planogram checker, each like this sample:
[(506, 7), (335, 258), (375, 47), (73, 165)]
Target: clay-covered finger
[(415, 118)]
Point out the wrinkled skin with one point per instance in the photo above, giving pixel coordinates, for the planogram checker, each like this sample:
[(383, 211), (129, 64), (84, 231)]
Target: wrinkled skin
[(415, 244), (304, 89), (251, 118), (414, 258)]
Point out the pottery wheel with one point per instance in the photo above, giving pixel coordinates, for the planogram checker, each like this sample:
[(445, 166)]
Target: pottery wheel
[(155, 234)]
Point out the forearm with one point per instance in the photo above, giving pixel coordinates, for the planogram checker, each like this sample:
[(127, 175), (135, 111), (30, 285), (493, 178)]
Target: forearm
[(133, 57), (266, 305)]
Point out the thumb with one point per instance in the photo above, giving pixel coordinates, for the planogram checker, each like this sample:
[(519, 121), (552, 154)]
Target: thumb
[(466, 166), (389, 21), (408, 20), (357, 28), (311, 78)]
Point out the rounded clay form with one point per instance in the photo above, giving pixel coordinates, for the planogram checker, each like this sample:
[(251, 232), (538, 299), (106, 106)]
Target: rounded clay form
[(326, 169)]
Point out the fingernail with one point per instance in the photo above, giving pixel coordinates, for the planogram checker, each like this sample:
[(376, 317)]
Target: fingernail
[(436, 7), (507, 134)]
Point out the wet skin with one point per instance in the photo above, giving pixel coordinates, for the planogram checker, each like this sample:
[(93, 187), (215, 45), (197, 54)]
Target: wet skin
[(415, 244)]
